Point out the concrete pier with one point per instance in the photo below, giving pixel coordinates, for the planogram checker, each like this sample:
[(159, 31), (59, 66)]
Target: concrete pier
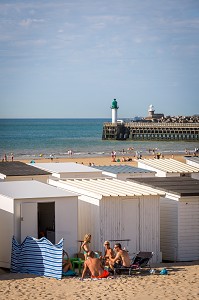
[(151, 131)]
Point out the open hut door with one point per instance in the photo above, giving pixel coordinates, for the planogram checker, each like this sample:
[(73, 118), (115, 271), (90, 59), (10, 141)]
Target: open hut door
[(29, 220)]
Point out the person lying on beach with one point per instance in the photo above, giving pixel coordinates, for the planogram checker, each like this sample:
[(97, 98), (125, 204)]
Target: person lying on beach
[(109, 253), (94, 265), (121, 259), (66, 264), (85, 246)]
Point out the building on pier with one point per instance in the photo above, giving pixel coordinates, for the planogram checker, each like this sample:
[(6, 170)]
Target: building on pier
[(152, 115)]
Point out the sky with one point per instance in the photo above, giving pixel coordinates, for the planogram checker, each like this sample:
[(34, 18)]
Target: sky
[(71, 58)]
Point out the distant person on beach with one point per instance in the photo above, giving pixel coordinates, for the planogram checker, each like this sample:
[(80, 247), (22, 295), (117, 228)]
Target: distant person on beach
[(113, 156), (121, 259), (70, 152), (12, 157), (94, 265), (5, 157), (51, 157), (86, 244)]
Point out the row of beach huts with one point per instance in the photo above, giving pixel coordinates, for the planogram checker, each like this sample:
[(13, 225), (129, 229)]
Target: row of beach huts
[(152, 207)]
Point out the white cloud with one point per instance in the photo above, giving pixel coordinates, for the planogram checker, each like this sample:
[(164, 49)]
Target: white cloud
[(28, 22)]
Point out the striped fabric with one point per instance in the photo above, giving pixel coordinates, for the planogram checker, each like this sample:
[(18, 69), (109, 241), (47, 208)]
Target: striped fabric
[(38, 257)]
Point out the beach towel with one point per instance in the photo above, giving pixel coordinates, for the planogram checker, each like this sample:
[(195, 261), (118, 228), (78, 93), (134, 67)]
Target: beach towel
[(37, 256), (69, 273)]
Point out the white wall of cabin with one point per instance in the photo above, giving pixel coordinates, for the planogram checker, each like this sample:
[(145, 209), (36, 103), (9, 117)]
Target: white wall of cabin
[(169, 228), (125, 176), (80, 175), (88, 220), (150, 226), (66, 212), (141, 224), (6, 230), (41, 178), (195, 176), (188, 229)]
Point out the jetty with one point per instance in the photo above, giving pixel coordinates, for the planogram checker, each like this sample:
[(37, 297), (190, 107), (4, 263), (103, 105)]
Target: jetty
[(153, 127)]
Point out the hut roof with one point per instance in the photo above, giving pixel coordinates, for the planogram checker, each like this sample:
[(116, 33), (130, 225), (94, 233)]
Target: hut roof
[(17, 168), (183, 186), (195, 159), (31, 189), (122, 169), (110, 187), (69, 167), (169, 165)]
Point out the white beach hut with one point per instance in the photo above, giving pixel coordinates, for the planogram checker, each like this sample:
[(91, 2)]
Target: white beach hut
[(112, 209), (69, 170), (193, 161), (123, 172), (169, 168), (16, 171), (179, 217), (28, 208)]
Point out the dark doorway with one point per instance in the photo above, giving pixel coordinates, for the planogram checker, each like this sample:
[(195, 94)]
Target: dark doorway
[(46, 221)]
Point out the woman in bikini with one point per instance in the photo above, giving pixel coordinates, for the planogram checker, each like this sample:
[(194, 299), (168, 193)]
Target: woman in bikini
[(109, 253), (85, 246)]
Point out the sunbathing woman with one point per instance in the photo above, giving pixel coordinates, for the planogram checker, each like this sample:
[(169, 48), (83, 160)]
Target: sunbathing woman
[(66, 264), (109, 253), (85, 246)]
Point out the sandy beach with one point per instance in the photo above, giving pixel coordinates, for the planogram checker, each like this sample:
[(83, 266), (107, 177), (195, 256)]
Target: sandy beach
[(102, 160), (182, 282)]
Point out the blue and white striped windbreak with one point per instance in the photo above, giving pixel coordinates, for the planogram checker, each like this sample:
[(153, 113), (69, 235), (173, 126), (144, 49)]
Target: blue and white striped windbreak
[(38, 257)]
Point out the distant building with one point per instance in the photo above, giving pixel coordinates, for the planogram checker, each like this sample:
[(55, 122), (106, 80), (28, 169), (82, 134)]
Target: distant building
[(152, 115)]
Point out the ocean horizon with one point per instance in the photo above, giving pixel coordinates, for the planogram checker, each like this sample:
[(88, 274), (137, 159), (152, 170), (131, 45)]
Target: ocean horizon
[(32, 138)]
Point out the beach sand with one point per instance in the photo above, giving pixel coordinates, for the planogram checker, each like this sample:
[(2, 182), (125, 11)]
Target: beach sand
[(182, 282), (101, 160)]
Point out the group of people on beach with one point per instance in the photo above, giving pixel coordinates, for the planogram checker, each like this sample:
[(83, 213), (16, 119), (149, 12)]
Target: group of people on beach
[(5, 158), (100, 266)]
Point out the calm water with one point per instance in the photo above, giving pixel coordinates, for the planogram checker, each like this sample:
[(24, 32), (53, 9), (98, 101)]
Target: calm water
[(29, 138)]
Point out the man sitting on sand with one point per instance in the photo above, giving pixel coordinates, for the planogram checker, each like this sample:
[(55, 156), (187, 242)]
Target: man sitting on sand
[(95, 266), (121, 259)]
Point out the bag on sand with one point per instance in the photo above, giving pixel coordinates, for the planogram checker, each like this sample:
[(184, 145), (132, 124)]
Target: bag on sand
[(164, 272)]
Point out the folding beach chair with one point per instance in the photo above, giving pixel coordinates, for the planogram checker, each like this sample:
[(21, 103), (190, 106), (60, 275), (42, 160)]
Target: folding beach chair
[(140, 261)]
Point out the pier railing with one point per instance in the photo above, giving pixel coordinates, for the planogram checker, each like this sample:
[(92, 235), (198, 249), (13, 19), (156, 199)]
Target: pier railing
[(152, 125)]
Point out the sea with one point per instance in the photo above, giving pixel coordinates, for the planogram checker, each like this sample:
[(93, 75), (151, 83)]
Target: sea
[(34, 138)]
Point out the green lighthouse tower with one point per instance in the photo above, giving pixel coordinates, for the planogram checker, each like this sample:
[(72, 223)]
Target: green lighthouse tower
[(114, 108)]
